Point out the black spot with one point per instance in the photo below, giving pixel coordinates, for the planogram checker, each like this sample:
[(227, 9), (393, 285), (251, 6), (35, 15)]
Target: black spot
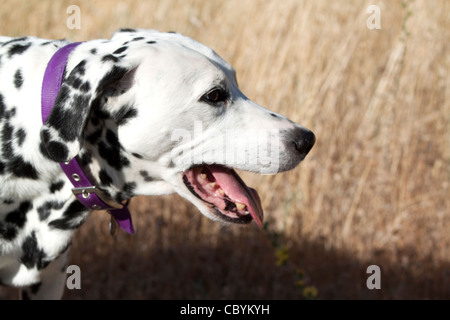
[(119, 197), (58, 116), (94, 51), (7, 150), (11, 113), (6, 137), (112, 139), (22, 169), (96, 104), (31, 254), (94, 136), (14, 40), (112, 76), (78, 83), (80, 101), (55, 151), (7, 132), (2, 107), (20, 135), (74, 82), (69, 121), (45, 210), (124, 114), (8, 201), (8, 231), (18, 217), (74, 208), (18, 79), (120, 50), (112, 156), (46, 43), (171, 164), (127, 30), (137, 39), (70, 218), (85, 158), (63, 94), (144, 174), (274, 115), (137, 155), (18, 49), (56, 186), (95, 121), (80, 69), (128, 188), (100, 114), (2, 167), (85, 87), (151, 42), (104, 177), (45, 137), (110, 57)]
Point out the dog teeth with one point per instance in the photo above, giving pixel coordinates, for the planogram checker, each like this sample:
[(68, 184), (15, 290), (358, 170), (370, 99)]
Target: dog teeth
[(221, 192), (240, 206), (203, 176), (213, 184)]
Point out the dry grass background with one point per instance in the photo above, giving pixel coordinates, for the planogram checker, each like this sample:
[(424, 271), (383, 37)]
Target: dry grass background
[(374, 190)]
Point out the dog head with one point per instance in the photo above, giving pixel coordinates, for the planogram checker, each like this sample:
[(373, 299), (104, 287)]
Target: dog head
[(157, 113)]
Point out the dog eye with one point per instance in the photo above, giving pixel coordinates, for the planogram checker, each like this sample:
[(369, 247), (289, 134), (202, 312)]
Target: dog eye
[(215, 97)]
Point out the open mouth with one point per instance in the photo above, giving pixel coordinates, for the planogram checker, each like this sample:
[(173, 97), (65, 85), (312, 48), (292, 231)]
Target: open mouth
[(225, 193)]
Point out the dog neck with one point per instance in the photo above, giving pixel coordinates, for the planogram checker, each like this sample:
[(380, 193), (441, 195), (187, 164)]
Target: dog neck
[(84, 189)]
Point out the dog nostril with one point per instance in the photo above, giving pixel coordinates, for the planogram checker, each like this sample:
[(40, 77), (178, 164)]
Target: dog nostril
[(305, 142)]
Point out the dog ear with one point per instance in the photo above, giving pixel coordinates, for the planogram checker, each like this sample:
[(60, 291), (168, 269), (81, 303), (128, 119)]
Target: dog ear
[(81, 91)]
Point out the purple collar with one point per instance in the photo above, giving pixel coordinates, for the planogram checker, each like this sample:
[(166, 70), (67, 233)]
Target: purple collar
[(86, 192)]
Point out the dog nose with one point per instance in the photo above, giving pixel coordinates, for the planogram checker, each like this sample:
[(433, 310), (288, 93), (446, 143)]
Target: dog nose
[(304, 141)]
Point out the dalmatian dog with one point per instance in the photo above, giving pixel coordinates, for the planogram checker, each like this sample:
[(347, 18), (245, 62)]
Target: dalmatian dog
[(145, 113)]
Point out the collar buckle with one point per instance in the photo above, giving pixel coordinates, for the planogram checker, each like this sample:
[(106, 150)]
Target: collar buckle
[(85, 192)]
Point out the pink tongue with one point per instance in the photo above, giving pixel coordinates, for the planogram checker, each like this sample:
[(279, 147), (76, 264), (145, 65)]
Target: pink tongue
[(235, 188)]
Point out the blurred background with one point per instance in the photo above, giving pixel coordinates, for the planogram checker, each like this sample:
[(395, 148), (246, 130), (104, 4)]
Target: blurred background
[(375, 189)]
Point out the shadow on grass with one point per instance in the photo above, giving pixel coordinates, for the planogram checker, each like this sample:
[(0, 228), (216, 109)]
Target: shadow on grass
[(175, 259)]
